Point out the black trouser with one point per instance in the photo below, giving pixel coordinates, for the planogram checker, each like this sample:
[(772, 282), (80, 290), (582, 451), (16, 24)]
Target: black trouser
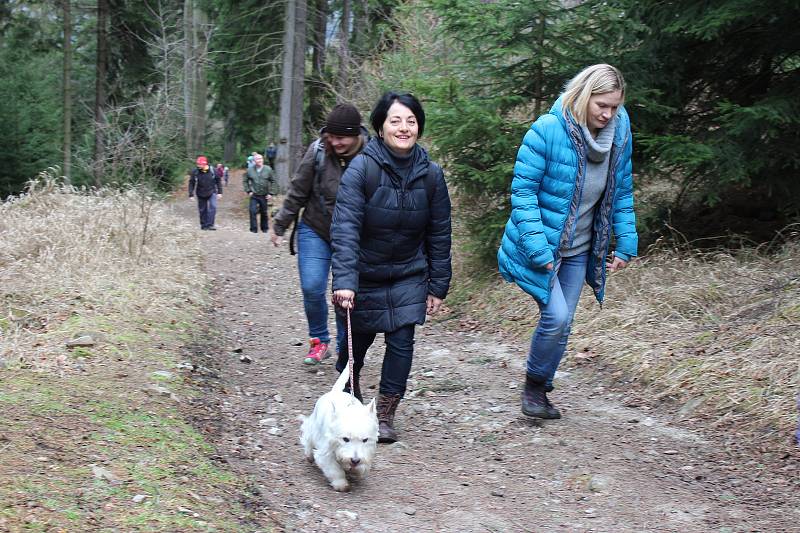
[(396, 361), (258, 205)]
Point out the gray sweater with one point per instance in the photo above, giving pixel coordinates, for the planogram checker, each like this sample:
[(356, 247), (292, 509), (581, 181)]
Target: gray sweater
[(597, 151)]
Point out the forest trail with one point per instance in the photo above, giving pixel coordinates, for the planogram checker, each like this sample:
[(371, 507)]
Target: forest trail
[(468, 460)]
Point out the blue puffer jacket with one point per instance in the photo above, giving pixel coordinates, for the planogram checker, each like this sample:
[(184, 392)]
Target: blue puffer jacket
[(545, 194), (392, 249)]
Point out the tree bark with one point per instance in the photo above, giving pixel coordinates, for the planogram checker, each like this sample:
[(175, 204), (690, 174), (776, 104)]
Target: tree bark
[(298, 84), (67, 94), (188, 76), (316, 89), (100, 90), (342, 83), (290, 131), (200, 78), (229, 150)]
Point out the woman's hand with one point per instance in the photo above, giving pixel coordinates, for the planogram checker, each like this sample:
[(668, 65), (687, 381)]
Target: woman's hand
[(549, 266), (616, 264), (344, 298), (276, 239), (434, 304)]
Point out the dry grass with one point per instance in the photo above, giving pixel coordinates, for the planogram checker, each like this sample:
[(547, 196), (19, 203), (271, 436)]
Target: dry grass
[(718, 333), (714, 334), (70, 257), (97, 438)]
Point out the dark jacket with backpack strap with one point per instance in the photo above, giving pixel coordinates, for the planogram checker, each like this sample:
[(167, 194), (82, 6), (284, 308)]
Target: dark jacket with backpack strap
[(313, 187), (391, 245)]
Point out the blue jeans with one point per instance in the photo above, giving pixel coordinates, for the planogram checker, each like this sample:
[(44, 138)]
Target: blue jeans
[(314, 264), (550, 338), (207, 208), (396, 360)]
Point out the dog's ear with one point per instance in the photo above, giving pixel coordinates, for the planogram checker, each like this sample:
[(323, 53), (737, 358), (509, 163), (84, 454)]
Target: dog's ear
[(371, 408)]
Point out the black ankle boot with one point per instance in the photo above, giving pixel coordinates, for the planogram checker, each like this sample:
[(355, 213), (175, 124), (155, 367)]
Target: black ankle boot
[(535, 403)]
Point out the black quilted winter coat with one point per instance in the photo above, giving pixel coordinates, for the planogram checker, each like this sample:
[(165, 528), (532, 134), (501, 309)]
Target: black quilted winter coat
[(392, 249)]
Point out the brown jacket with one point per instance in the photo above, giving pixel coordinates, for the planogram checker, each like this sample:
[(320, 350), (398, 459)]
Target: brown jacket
[(318, 197)]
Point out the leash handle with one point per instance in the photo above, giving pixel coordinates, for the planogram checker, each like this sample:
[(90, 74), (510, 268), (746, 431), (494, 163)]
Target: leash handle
[(350, 354)]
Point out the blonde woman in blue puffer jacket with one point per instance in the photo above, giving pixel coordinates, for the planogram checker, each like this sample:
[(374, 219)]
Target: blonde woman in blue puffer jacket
[(572, 189)]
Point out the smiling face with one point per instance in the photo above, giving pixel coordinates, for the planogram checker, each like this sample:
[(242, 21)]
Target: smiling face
[(400, 129), (341, 144), (601, 109)]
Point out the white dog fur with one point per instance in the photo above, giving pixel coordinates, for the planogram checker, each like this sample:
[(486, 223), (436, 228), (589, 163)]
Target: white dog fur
[(341, 435)]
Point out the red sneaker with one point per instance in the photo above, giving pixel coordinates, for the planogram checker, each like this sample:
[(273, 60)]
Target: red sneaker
[(317, 352)]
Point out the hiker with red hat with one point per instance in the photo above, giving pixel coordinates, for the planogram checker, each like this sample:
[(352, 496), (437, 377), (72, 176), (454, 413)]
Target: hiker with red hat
[(205, 184)]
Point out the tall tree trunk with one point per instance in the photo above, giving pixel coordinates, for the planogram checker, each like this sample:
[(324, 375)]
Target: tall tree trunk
[(361, 29), (298, 83), (188, 76), (101, 73), (200, 79), (290, 131), (229, 150), (316, 90), (342, 83), (282, 164), (67, 83)]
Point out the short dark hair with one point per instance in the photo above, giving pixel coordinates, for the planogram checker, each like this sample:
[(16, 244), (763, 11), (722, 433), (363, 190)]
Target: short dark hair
[(381, 109)]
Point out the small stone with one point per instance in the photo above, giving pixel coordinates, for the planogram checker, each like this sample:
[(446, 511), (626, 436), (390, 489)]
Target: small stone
[(670, 452), (101, 473), (158, 390), (498, 492), (163, 374), (347, 514), (245, 359), (278, 398), (410, 511), (268, 422), (238, 349), (139, 498), (82, 341), (277, 432), (598, 484)]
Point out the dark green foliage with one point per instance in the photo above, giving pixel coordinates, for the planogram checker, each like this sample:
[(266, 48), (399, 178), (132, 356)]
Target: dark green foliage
[(30, 138), (246, 57), (507, 63), (718, 110)]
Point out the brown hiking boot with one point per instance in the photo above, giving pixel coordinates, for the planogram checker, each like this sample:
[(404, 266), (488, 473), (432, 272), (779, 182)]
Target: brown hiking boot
[(387, 405)]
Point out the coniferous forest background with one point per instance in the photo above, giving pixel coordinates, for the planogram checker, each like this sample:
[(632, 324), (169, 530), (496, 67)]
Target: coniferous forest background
[(120, 92)]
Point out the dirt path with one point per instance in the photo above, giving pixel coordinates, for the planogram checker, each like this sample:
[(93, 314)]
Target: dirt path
[(468, 460)]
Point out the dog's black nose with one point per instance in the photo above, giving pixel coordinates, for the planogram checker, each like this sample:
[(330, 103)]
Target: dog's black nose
[(355, 461)]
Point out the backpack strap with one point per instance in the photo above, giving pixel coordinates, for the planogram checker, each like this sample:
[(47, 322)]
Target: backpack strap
[(319, 158)]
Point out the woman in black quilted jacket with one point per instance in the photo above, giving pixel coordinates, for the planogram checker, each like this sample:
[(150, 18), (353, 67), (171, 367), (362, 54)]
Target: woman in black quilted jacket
[(391, 246)]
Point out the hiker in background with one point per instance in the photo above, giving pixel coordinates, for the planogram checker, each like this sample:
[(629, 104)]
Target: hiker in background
[(313, 189), (258, 183), (226, 174), (204, 184), (271, 152), (572, 185), (391, 247), (219, 172)]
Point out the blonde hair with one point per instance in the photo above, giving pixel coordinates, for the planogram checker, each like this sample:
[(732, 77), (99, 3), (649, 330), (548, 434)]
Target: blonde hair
[(597, 79)]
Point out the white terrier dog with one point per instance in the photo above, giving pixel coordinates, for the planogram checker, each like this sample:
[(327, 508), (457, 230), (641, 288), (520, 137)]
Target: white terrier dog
[(341, 435)]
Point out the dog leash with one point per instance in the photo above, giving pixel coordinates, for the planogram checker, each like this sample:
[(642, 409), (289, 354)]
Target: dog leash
[(350, 354)]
